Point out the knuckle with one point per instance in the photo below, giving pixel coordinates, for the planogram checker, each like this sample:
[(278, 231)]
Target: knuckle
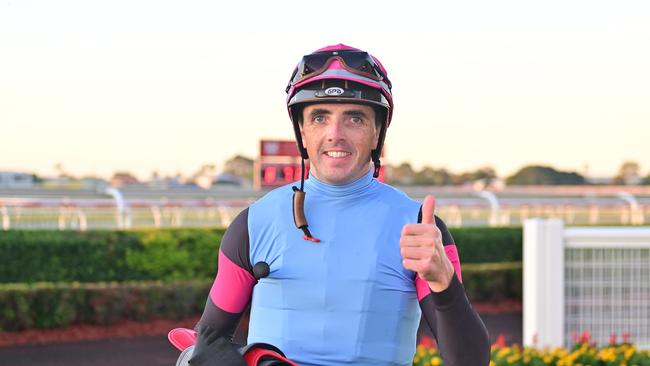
[(407, 229), (403, 252)]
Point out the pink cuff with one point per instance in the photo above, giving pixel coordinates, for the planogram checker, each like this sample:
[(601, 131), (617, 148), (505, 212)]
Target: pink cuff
[(233, 286), (422, 287), (452, 254)]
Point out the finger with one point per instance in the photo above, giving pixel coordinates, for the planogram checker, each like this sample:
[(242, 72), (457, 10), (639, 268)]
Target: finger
[(424, 241), (417, 253), (415, 265), (428, 209), (419, 229)]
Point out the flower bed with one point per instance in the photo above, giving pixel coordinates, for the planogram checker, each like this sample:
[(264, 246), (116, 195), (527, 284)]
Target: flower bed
[(582, 354)]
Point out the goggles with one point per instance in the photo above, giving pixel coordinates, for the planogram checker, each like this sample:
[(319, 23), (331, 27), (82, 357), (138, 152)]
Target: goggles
[(356, 62)]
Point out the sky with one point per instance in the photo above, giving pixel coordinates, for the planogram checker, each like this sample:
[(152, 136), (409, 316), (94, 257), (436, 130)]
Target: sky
[(167, 86)]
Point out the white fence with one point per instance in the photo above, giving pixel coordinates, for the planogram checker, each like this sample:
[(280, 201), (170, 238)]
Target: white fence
[(137, 207), (83, 214), (588, 279)]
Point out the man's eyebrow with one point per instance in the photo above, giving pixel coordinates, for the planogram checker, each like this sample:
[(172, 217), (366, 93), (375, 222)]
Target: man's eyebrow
[(318, 111), (356, 113)]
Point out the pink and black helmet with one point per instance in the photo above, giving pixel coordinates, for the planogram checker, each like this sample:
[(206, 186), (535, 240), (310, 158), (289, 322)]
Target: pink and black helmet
[(340, 74)]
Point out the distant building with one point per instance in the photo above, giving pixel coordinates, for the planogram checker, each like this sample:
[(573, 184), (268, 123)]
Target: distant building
[(205, 177), (16, 180), (229, 179), (94, 183), (122, 179), (600, 180)]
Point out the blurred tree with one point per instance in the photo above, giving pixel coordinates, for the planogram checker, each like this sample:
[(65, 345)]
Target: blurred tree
[(646, 180), (628, 173), (37, 179), (484, 174), (240, 166), (543, 175), (400, 175), (430, 176), (205, 176)]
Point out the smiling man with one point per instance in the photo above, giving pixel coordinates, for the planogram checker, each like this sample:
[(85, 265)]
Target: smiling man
[(340, 269), (339, 139)]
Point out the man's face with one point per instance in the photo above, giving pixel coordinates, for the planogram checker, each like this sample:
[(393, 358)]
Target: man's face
[(339, 139)]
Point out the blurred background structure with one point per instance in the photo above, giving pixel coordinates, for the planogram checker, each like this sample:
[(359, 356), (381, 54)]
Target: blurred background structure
[(592, 281), (208, 198), (142, 206)]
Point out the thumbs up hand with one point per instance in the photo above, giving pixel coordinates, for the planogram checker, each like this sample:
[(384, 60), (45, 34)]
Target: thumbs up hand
[(422, 249)]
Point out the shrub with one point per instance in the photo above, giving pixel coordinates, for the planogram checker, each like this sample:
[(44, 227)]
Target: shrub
[(52, 305), (98, 256), (171, 254), (488, 244), (493, 281)]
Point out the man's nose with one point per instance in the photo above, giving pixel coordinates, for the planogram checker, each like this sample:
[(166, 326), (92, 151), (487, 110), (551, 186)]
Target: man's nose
[(335, 131)]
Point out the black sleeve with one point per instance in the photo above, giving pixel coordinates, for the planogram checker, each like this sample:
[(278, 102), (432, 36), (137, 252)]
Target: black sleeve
[(235, 246), (460, 333)]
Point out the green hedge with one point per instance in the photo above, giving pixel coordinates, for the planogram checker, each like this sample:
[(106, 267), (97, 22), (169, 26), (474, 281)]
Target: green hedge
[(53, 305), (98, 256), (493, 281), (173, 254), (488, 244), (44, 305)]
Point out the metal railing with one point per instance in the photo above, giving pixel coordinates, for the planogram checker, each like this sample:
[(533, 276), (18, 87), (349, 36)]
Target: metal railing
[(150, 208), (594, 279)]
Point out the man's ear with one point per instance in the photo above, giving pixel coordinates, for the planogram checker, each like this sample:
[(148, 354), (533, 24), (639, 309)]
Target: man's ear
[(302, 131), (377, 133)]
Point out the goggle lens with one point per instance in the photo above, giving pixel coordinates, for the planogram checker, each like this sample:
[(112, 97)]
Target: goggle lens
[(361, 62)]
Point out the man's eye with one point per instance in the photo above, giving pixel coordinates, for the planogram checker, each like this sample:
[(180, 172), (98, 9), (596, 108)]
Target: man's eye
[(319, 119), (356, 120)]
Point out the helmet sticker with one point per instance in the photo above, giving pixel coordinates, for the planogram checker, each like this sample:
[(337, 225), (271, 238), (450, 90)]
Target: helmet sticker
[(334, 91)]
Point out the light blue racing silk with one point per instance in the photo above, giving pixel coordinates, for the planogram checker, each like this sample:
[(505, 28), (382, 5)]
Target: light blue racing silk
[(346, 300)]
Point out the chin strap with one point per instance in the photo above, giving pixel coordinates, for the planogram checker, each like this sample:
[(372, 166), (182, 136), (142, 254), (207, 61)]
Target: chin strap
[(299, 207), (376, 162)]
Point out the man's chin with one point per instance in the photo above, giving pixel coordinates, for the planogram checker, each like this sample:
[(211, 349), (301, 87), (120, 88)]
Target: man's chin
[(338, 177)]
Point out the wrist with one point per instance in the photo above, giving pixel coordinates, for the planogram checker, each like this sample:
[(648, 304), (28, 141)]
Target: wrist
[(443, 282)]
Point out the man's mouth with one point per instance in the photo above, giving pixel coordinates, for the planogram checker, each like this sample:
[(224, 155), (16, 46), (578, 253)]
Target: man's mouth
[(337, 154)]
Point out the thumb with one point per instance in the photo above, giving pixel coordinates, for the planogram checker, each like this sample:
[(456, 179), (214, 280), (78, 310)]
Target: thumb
[(428, 209)]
